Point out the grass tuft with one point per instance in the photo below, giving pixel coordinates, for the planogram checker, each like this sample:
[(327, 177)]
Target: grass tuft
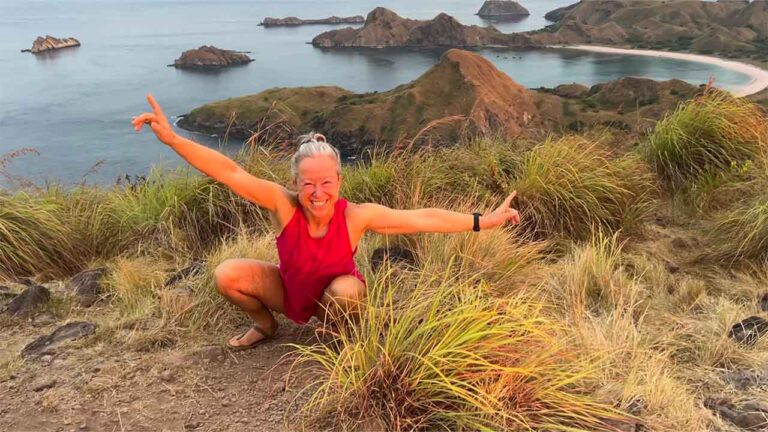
[(706, 136), (572, 187)]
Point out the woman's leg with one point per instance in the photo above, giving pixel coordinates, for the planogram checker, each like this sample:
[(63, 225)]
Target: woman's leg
[(343, 296), (254, 286)]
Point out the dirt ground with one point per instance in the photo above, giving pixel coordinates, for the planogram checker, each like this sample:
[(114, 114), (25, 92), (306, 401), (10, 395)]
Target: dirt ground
[(99, 388)]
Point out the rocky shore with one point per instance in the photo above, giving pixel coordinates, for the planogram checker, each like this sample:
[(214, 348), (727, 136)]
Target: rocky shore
[(210, 57), (49, 43), (295, 21)]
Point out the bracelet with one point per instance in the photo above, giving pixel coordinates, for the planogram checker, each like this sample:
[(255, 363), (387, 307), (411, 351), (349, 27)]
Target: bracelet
[(476, 224)]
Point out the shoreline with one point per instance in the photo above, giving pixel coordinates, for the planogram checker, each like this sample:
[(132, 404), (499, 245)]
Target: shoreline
[(759, 76)]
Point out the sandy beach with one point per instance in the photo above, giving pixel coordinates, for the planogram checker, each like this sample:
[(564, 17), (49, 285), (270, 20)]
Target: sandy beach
[(759, 76)]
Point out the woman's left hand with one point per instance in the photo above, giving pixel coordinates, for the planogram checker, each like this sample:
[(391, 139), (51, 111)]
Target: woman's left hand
[(503, 213)]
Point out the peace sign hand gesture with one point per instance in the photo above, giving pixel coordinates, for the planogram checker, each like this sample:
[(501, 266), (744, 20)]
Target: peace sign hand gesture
[(502, 214), (157, 121)]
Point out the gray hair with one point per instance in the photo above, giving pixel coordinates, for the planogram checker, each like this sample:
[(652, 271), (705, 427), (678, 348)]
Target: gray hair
[(311, 145)]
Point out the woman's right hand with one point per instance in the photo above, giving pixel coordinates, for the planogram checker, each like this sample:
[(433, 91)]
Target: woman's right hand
[(157, 121)]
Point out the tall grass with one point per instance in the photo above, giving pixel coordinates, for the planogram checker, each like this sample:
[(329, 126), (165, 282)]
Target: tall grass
[(452, 359), (33, 239), (572, 187), (705, 135), (740, 233)]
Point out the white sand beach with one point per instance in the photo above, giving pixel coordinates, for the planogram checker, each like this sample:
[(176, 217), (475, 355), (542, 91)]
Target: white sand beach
[(759, 76)]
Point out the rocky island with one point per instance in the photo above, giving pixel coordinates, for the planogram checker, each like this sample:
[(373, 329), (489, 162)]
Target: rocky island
[(49, 43), (502, 9), (463, 87), (295, 21), (210, 57), (725, 27), (384, 28), (732, 28)]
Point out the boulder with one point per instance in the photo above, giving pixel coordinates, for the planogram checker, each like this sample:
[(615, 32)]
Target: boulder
[(49, 43), (393, 255), (210, 57), (70, 331), (749, 330), (502, 9), (86, 286), (28, 301)]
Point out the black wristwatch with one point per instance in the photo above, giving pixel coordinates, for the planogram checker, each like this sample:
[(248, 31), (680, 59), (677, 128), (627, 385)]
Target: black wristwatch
[(476, 225)]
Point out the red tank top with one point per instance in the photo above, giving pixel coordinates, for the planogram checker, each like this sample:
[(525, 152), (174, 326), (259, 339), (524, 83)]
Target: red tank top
[(308, 265)]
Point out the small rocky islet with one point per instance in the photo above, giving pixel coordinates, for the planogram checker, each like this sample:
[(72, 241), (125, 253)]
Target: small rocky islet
[(296, 21), (502, 10), (50, 43), (209, 57)]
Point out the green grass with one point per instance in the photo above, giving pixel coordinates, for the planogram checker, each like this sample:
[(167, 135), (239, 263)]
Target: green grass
[(706, 135), (572, 187)]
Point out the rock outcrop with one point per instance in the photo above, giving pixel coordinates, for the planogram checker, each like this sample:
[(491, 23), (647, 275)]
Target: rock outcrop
[(384, 28), (295, 21), (724, 26), (70, 331), (86, 286), (49, 43), (210, 57), (29, 301), (502, 9)]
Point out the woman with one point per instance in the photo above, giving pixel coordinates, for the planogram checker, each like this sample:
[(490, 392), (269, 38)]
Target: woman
[(319, 232)]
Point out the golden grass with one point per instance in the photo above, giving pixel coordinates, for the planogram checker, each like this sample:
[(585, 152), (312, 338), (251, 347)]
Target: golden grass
[(706, 135), (447, 356), (571, 187)]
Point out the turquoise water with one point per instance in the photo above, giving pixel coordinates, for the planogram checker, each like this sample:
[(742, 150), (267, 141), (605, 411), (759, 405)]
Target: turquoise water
[(74, 106)]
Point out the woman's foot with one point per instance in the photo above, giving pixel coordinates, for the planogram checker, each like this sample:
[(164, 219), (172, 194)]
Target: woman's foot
[(253, 336)]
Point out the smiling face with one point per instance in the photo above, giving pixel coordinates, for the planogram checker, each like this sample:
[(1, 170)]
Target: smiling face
[(318, 183)]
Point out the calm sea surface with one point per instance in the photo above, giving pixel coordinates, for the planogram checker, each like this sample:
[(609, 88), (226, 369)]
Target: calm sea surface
[(74, 106)]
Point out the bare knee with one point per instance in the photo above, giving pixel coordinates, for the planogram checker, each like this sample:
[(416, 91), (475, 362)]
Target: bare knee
[(346, 289), (232, 276)]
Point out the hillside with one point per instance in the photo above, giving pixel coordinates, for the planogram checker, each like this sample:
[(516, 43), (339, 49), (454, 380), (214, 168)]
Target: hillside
[(728, 27), (384, 28), (462, 84)]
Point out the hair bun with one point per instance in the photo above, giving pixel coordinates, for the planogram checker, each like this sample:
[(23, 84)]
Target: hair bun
[(319, 137)]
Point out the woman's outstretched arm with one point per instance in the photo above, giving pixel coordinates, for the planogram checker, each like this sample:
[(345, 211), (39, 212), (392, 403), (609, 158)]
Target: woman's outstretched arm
[(212, 163), (385, 220)]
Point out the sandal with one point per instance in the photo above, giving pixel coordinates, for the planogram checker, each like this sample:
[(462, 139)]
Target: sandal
[(260, 330)]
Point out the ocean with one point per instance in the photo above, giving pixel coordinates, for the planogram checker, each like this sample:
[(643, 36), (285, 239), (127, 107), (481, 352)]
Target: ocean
[(74, 106)]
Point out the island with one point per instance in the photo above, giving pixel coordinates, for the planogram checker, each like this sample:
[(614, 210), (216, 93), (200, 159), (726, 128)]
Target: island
[(464, 92), (728, 28), (50, 43), (210, 57), (385, 28), (295, 21), (502, 9)]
